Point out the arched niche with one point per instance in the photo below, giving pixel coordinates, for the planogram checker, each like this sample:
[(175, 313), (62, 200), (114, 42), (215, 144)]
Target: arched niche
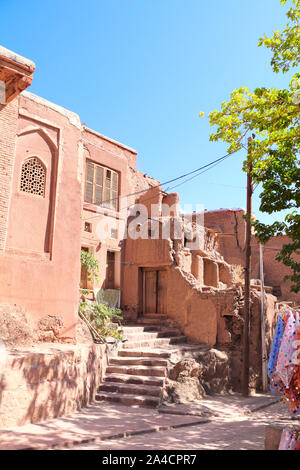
[(32, 204)]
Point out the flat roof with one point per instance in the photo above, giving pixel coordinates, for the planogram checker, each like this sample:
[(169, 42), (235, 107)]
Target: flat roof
[(20, 60), (109, 139), (70, 115)]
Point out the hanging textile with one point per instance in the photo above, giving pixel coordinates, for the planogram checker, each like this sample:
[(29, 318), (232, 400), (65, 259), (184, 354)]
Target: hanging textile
[(284, 366), (290, 439), (284, 360)]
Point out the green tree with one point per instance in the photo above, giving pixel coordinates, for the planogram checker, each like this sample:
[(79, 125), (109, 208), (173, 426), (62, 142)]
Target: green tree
[(273, 116)]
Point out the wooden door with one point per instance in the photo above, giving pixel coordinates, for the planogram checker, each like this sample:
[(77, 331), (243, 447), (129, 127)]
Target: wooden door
[(150, 292), (110, 270), (154, 291), (162, 287), (83, 274)]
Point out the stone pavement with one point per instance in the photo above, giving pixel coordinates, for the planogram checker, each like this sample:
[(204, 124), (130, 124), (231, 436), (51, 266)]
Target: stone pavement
[(98, 421), (235, 432), (221, 422)]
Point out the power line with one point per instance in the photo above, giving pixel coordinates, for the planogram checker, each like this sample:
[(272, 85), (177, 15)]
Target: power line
[(207, 167), (172, 180), (189, 179)]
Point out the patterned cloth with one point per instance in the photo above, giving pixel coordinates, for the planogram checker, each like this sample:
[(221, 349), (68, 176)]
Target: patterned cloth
[(293, 442), (275, 345), (283, 370), (285, 440), (284, 366)]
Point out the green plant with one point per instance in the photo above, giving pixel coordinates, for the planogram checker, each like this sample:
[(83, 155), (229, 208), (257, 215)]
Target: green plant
[(102, 318), (91, 264)]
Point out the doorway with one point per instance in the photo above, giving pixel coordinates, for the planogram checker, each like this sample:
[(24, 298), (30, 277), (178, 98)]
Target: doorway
[(154, 291), (84, 282), (110, 270)]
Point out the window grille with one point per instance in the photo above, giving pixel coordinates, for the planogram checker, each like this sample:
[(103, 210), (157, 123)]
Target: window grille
[(33, 177)]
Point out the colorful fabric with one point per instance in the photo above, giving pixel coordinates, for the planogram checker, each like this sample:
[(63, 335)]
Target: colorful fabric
[(275, 345), (284, 366), (285, 440), (283, 369), (293, 442)]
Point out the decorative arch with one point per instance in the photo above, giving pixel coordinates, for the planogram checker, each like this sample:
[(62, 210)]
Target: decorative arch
[(33, 176), (34, 191), (43, 133)]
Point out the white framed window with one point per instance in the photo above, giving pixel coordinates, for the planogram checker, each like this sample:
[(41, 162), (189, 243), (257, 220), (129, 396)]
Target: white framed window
[(101, 186)]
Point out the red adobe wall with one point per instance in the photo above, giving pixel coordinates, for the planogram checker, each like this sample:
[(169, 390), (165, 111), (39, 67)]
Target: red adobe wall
[(122, 159), (229, 222), (275, 271), (41, 383), (8, 129), (40, 265)]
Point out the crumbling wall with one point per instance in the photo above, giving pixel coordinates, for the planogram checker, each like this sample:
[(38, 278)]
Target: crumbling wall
[(234, 347), (192, 309), (198, 374), (19, 329)]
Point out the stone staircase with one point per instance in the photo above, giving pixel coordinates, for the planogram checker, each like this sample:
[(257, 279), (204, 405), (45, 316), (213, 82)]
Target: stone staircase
[(136, 376)]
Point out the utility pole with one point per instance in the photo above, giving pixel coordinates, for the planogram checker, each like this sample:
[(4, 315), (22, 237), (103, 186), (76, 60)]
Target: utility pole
[(246, 333), (263, 326)]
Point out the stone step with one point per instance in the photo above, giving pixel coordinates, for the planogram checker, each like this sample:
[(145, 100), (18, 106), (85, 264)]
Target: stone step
[(152, 321), (137, 370), (138, 361), (129, 400), (154, 315), (130, 389), (134, 328), (135, 379), (146, 335), (152, 343), (148, 328), (144, 353)]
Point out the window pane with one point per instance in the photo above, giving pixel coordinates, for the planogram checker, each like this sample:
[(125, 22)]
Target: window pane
[(98, 194), (89, 191), (101, 186), (114, 199), (99, 175), (115, 181), (90, 172)]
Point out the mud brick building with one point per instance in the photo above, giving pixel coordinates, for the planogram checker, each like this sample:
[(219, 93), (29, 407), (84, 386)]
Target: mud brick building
[(66, 188)]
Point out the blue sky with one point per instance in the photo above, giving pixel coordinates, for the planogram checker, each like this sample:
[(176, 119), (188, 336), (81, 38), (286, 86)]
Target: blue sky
[(139, 71)]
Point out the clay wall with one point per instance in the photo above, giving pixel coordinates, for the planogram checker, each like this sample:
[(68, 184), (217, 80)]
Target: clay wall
[(231, 244), (48, 382), (40, 264)]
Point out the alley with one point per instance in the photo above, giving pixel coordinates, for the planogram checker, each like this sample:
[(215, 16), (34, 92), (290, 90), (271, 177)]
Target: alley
[(228, 422), (232, 432)]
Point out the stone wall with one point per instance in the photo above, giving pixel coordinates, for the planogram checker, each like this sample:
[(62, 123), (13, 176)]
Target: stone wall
[(49, 381)]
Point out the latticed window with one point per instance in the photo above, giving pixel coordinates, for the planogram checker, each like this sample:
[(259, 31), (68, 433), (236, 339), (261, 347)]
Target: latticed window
[(101, 186), (33, 177)]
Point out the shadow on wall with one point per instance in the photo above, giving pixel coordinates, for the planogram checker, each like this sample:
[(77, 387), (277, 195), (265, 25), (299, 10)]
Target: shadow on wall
[(49, 382)]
